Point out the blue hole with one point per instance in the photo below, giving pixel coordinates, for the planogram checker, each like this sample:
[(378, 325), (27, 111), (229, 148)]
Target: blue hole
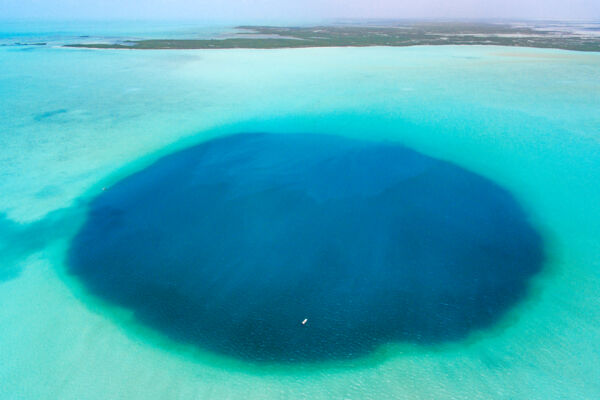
[(307, 247)]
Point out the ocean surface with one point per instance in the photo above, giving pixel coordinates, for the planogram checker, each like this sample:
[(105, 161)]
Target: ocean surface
[(494, 151)]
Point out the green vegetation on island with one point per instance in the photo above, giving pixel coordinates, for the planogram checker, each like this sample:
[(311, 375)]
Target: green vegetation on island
[(407, 34)]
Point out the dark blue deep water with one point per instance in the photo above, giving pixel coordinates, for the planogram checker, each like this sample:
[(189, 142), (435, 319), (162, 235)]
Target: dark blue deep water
[(231, 244)]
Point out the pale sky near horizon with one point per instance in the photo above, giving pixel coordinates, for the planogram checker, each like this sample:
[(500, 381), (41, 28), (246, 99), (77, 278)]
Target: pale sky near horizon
[(299, 9)]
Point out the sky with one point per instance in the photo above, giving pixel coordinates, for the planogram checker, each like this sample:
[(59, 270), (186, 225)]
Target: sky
[(299, 9)]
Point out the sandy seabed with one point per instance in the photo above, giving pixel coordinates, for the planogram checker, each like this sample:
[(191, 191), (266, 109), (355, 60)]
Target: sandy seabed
[(528, 123)]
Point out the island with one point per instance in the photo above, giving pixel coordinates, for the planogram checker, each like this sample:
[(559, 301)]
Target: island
[(392, 34)]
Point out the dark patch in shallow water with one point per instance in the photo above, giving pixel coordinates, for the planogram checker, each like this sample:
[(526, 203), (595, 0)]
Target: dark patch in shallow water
[(19, 241), (233, 243), (50, 114)]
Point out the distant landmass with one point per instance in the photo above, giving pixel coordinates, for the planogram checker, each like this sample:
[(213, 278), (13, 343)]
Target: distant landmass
[(390, 34)]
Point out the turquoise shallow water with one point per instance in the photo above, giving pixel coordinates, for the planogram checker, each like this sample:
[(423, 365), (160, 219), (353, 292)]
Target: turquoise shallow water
[(57, 32), (73, 121)]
